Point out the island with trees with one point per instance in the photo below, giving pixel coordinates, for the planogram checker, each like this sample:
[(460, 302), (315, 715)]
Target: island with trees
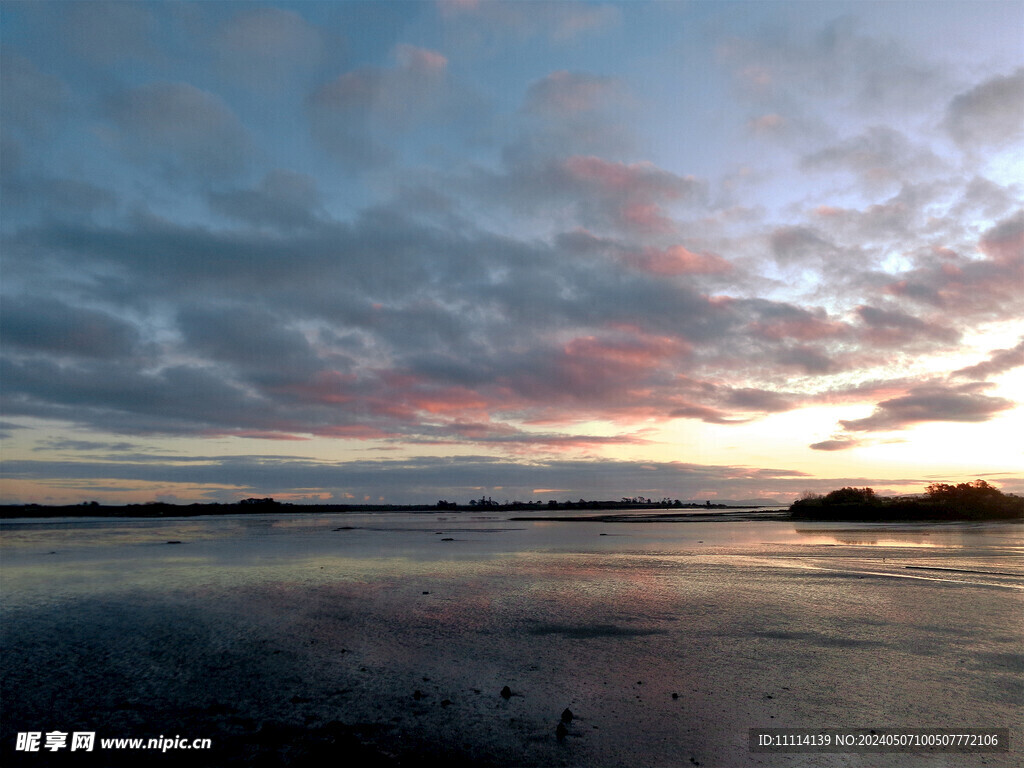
[(941, 501)]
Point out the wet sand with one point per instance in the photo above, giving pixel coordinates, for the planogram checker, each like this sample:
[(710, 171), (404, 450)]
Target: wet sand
[(387, 640)]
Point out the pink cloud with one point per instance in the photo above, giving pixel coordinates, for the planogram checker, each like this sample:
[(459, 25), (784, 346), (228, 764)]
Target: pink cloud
[(986, 287), (677, 260), (567, 93), (642, 179), (328, 387), (767, 124), (420, 59), (634, 193)]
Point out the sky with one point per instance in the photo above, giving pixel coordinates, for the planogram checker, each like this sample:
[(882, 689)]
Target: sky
[(400, 252)]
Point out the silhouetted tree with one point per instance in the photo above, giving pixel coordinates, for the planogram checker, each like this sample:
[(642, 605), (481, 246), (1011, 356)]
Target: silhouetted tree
[(850, 496)]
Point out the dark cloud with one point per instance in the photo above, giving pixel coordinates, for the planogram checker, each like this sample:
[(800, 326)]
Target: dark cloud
[(932, 402), (117, 396), (799, 243), (836, 444), (891, 327), (603, 195), (39, 324), (284, 199), (85, 445), (180, 128), (55, 197), (988, 115), (776, 321), (760, 400), (811, 360), (257, 343), (999, 361)]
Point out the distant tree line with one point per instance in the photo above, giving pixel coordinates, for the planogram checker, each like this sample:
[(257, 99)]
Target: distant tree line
[(941, 501)]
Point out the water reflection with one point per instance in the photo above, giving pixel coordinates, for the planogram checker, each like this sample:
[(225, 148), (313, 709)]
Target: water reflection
[(942, 535), (48, 560)]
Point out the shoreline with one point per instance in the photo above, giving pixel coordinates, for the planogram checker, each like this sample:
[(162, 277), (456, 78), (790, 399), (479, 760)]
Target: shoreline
[(11, 511)]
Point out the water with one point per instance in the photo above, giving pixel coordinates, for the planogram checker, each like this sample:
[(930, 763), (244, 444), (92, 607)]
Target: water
[(306, 619)]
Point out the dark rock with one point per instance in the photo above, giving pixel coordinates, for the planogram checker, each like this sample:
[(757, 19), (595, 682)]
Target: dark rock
[(174, 541), (300, 699), (561, 731), (566, 715), (417, 694), (447, 539), (446, 702), (675, 695), (506, 693)]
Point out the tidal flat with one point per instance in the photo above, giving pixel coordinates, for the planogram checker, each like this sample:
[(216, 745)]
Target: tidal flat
[(387, 639)]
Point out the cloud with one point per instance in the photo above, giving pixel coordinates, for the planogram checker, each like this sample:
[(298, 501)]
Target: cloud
[(1004, 243), (760, 400), (777, 321), (1000, 361), (107, 32), (811, 360), (424, 479), (847, 73), (40, 324), (284, 199), (971, 287), (265, 47), (180, 128), (932, 402), (988, 115), (891, 327), (30, 100), (599, 194), (563, 94), (55, 197), (357, 115), (836, 444), (677, 260), (258, 343), (484, 22), (880, 157)]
